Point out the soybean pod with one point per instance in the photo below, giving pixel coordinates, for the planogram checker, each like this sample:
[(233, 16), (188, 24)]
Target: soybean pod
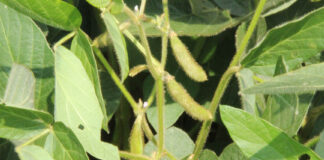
[(136, 140), (181, 96), (185, 59)]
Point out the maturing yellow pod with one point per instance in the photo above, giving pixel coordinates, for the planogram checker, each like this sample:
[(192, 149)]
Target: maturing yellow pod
[(136, 140), (181, 96), (185, 60)]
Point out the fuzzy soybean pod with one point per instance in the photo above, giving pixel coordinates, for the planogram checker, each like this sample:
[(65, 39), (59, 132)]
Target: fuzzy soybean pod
[(185, 59), (181, 96), (137, 137)]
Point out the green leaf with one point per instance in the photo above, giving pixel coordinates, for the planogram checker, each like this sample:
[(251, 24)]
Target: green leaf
[(286, 111), (99, 3), (320, 146), (296, 41), (22, 124), (258, 139), (76, 103), (245, 79), (81, 47), (22, 42), (183, 20), (20, 88), (33, 152), (177, 142), (62, 144), (305, 80), (242, 8), (207, 154), (119, 44), (111, 93), (232, 152), (56, 13)]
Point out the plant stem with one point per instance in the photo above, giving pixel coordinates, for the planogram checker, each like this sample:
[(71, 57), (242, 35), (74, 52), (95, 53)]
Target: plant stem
[(226, 77), (64, 39), (33, 139), (160, 106), (127, 155), (166, 29), (142, 8), (142, 35), (117, 81)]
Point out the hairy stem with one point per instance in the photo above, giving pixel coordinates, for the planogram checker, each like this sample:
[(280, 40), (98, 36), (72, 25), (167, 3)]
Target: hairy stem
[(160, 106), (127, 155), (117, 81), (226, 77)]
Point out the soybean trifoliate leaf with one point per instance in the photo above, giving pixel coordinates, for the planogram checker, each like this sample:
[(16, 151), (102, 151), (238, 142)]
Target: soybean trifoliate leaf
[(22, 42), (258, 139), (22, 124), (304, 80), (177, 142), (62, 144), (296, 41), (186, 61), (232, 152), (242, 8), (183, 20), (118, 42), (20, 88), (99, 3), (33, 152), (207, 154), (56, 13), (81, 47), (76, 103)]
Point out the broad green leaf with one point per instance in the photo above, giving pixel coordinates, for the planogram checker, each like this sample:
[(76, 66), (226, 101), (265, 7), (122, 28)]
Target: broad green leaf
[(183, 20), (258, 139), (177, 142), (22, 124), (76, 103), (320, 146), (119, 44), (99, 3), (242, 8), (296, 41), (20, 88), (232, 152), (33, 152), (111, 93), (286, 111), (56, 13), (207, 154), (62, 144), (7, 150), (245, 79), (22, 42), (81, 47), (304, 80)]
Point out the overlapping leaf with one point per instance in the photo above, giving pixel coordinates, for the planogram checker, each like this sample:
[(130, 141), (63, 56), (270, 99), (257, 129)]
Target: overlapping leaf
[(99, 3), (320, 146), (22, 124), (258, 139), (209, 21), (296, 41), (77, 104), (81, 47), (56, 13), (20, 88), (232, 152), (22, 42), (118, 42), (33, 152), (304, 80)]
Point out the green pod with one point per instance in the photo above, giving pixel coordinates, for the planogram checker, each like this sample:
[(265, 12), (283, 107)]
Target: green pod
[(136, 140), (137, 69), (181, 96), (186, 61)]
